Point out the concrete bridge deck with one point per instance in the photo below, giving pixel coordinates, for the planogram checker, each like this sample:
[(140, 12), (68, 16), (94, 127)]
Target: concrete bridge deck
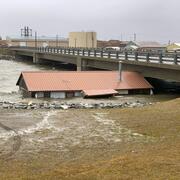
[(156, 65)]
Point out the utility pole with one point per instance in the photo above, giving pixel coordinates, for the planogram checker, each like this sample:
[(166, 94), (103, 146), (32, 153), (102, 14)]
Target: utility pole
[(135, 36), (35, 40), (57, 41), (26, 32), (121, 37)]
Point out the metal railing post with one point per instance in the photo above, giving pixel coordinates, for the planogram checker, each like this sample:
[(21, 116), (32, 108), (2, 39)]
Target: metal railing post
[(101, 53), (126, 55), (175, 58), (136, 56), (147, 57), (160, 58), (109, 54), (94, 53), (117, 55)]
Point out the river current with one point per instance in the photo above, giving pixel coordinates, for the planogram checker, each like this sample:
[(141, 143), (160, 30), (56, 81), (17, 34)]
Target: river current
[(9, 74)]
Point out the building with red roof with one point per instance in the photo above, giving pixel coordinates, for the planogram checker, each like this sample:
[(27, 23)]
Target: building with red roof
[(85, 83)]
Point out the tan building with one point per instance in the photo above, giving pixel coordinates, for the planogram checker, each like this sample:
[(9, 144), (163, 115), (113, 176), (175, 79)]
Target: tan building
[(41, 42), (83, 39), (3, 43), (173, 47)]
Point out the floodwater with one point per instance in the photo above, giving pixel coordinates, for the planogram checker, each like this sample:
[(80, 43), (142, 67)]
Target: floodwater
[(62, 132), (67, 132), (9, 74)]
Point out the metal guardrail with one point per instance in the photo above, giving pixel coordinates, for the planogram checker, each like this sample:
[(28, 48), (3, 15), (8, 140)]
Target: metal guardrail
[(161, 58)]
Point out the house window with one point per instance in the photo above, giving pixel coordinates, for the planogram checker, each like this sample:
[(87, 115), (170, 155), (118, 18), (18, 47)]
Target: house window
[(69, 94), (47, 94)]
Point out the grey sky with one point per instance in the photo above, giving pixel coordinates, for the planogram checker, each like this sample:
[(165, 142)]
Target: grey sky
[(149, 19)]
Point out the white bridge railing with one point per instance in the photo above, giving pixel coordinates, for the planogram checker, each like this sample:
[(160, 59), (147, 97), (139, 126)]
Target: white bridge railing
[(161, 58)]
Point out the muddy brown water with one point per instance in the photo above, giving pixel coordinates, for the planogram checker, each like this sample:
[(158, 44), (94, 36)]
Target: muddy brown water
[(30, 132)]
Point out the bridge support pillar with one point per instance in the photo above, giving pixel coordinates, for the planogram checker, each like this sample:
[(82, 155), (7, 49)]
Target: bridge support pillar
[(81, 64), (35, 58)]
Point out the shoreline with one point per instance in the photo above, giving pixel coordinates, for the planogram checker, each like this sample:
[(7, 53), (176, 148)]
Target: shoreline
[(71, 105)]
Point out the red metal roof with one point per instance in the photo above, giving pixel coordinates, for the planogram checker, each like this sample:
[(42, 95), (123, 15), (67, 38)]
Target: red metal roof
[(98, 92), (84, 80)]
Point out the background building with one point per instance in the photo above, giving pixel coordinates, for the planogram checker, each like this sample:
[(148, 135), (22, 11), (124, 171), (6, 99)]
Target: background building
[(3, 43), (145, 46), (112, 44), (29, 38), (83, 39), (173, 47), (42, 41)]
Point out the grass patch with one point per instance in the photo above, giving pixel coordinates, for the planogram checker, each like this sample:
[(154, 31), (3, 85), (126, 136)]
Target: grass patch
[(128, 160)]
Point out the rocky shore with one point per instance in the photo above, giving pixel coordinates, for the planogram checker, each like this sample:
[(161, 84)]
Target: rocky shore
[(69, 105)]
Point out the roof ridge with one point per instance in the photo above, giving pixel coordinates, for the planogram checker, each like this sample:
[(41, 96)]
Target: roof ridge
[(68, 71)]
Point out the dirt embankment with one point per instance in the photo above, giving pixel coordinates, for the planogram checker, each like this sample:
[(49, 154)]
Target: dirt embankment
[(128, 143)]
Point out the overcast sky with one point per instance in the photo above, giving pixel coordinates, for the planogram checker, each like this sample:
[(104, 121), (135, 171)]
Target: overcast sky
[(111, 19)]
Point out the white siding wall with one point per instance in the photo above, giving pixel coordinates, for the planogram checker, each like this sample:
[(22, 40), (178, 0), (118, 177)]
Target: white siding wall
[(77, 94), (58, 95), (123, 92), (22, 44), (39, 95)]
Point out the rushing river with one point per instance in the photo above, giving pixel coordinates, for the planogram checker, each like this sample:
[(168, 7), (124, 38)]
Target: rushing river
[(9, 74)]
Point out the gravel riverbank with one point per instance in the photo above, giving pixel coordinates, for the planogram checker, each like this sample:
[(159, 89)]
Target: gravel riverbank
[(70, 105)]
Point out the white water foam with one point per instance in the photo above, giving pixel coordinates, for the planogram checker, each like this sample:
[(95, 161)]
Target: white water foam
[(43, 125), (112, 128)]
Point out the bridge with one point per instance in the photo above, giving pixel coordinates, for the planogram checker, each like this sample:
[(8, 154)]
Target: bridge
[(156, 65)]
